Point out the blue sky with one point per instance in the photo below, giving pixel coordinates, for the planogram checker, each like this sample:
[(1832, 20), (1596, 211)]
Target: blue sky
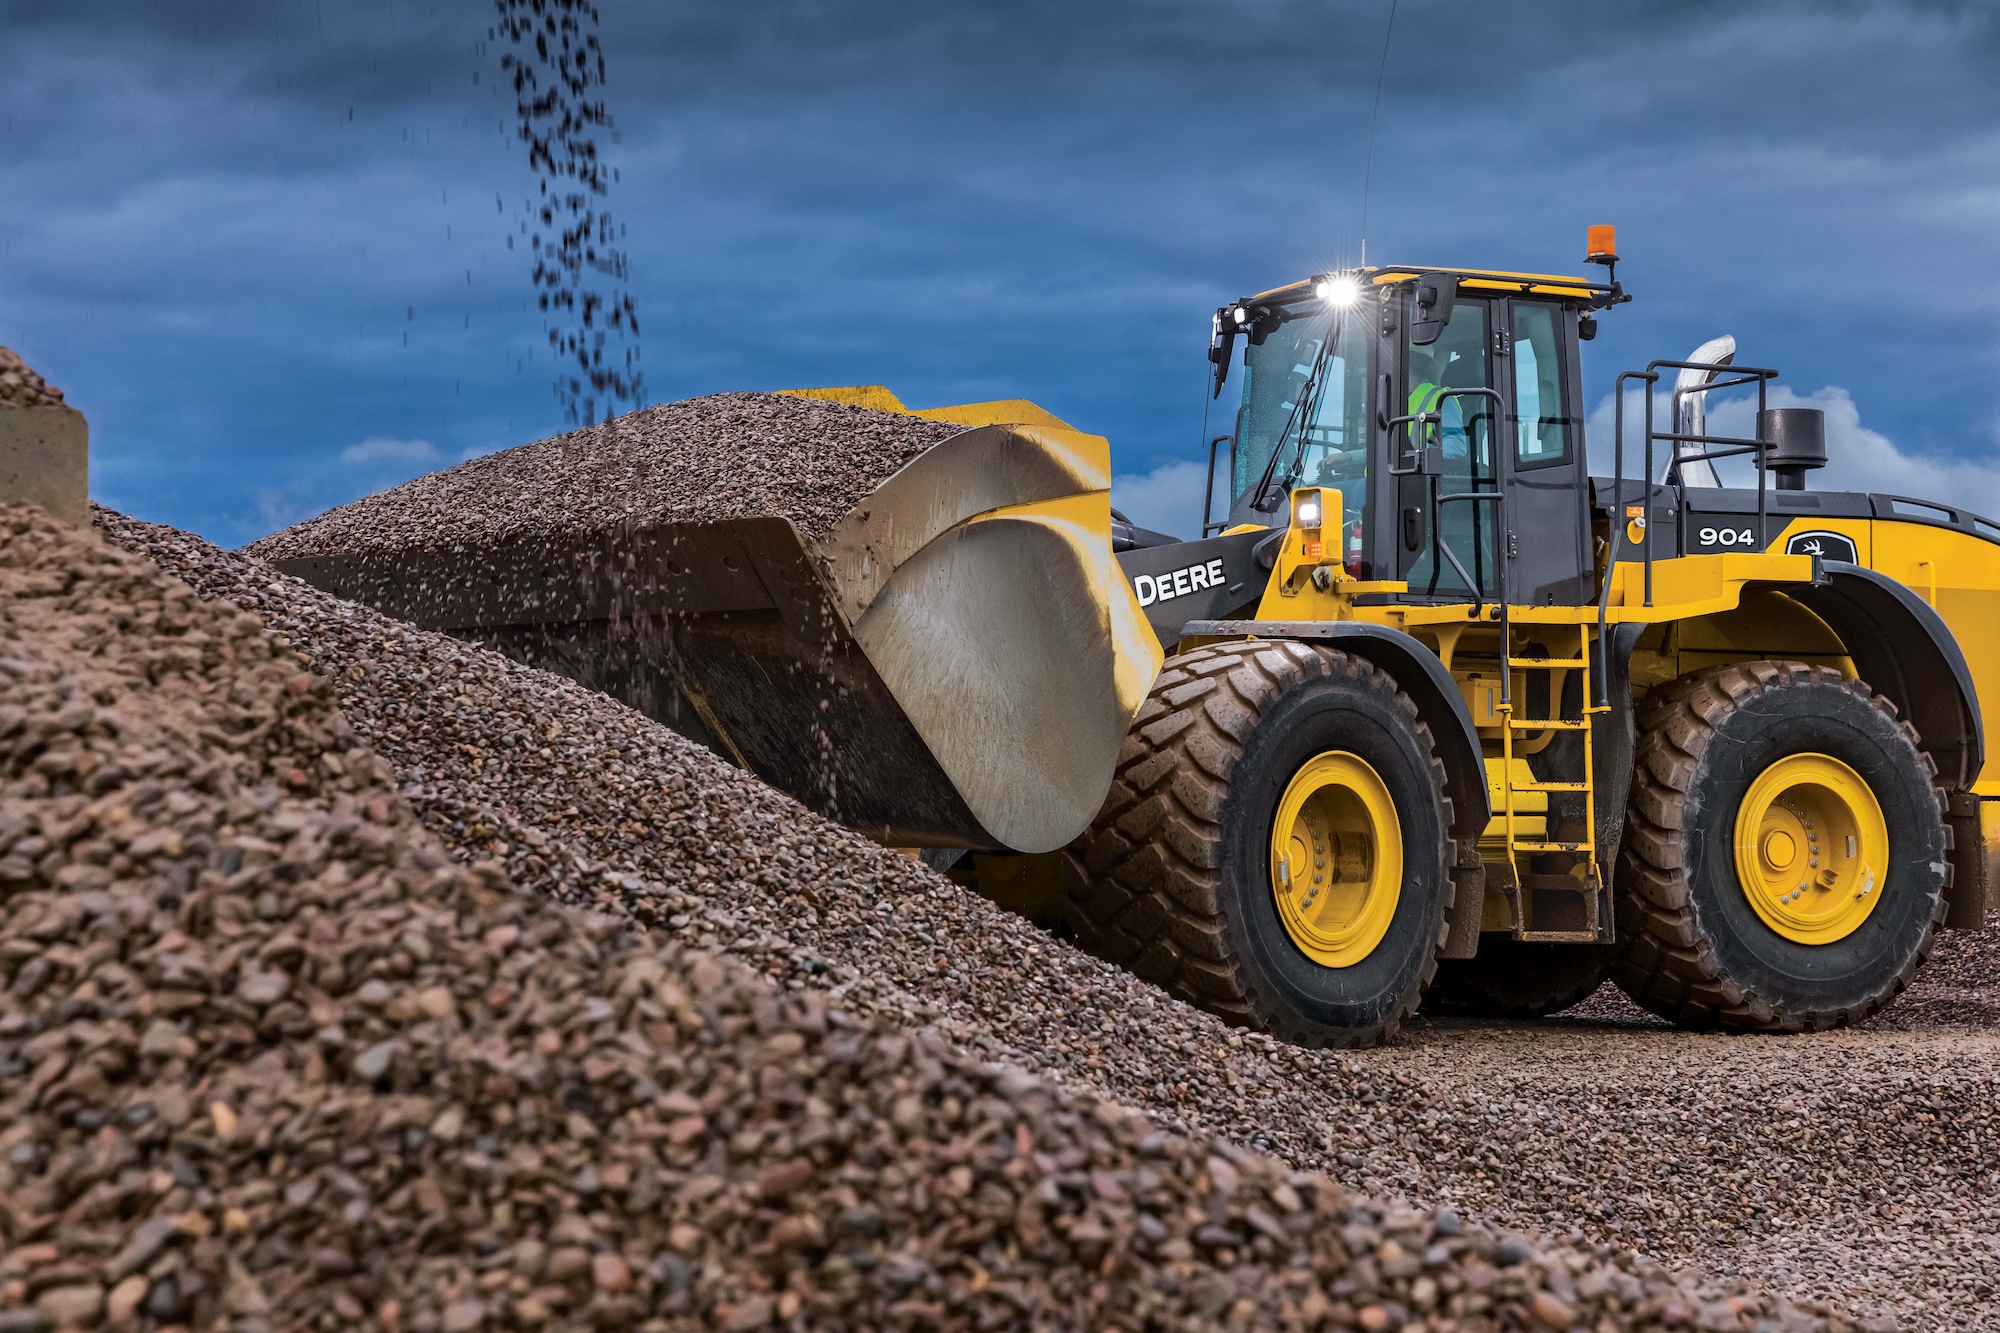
[(262, 246)]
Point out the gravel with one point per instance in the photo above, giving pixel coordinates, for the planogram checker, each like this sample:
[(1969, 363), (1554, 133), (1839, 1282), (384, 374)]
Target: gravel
[(729, 455), (1857, 1166), (22, 387), (1960, 985), (274, 1060)]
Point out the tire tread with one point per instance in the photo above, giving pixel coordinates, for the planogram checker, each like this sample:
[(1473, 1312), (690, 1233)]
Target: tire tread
[(1145, 878), (1664, 961)]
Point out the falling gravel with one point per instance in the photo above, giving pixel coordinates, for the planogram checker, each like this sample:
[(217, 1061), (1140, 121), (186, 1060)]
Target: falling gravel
[(730, 455), (274, 1060), (1860, 1166), (21, 386)]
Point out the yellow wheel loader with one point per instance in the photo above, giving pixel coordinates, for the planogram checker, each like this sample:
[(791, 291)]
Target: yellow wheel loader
[(1431, 716)]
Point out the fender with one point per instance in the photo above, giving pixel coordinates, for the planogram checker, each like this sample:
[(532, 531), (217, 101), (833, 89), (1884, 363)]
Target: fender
[(1418, 673), (1905, 651)]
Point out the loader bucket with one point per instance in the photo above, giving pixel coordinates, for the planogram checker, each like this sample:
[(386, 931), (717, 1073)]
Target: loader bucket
[(954, 661)]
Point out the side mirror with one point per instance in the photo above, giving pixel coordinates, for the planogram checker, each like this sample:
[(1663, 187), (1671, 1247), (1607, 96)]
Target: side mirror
[(1435, 293), (1218, 353)]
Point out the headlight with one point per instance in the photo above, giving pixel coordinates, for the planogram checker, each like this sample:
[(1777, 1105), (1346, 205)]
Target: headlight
[(1308, 513), (1342, 292)]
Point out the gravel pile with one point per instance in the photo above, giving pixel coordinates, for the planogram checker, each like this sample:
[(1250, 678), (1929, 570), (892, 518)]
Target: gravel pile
[(22, 387), (729, 455), (1868, 1159), (274, 1061)]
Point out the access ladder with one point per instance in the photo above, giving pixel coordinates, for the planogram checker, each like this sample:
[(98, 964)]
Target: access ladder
[(1512, 787)]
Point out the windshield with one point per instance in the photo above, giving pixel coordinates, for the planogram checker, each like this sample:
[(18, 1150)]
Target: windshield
[(1336, 439)]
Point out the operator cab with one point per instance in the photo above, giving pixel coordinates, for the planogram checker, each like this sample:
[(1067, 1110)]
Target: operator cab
[(1424, 396)]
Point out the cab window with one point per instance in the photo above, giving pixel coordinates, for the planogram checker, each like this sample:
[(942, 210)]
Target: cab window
[(1542, 423), (1463, 437), (1329, 449)]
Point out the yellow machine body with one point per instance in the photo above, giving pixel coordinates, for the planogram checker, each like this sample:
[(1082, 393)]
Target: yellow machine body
[(1705, 607), (1706, 611)]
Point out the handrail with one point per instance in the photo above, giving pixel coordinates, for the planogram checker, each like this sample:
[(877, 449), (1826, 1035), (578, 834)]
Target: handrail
[(1730, 446), (1603, 699), (1416, 451), (1497, 497), (1208, 496)]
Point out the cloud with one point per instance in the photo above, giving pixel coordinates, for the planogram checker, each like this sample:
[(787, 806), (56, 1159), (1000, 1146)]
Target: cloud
[(1167, 499), (1858, 458), (961, 203), (376, 449)]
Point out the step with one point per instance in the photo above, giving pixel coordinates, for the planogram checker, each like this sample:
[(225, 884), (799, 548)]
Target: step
[(1535, 848), (1559, 936), (1549, 786), (1532, 663), (1547, 724)]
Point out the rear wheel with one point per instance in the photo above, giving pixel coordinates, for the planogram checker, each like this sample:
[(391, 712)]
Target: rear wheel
[(1512, 978), (1784, 860), (1275, 846)]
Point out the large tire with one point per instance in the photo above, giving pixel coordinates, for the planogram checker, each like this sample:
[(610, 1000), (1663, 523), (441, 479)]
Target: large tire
[(1174, 879), (1693, 947), (1512, 978)]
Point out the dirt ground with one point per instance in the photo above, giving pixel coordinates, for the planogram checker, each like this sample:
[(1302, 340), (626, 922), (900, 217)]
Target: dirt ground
[(1855, 1166)]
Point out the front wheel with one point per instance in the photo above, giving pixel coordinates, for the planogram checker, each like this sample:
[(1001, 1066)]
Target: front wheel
[(1275, 847), (1784, 859)]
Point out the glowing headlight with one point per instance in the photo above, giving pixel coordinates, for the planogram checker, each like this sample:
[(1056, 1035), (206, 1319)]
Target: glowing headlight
[(1342, 292), (1308, 513), (1240, 315)]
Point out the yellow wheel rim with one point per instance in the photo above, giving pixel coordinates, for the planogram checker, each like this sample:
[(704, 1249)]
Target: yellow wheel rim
[(1336, 859), (1811, 848)]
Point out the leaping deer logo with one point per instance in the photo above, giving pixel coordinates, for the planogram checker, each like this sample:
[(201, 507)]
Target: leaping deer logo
[(1825, 545)]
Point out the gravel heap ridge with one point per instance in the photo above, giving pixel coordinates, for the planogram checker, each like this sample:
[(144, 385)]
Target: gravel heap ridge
[(22, 387), (729, 455), (274, 1061), (1725, 1151)]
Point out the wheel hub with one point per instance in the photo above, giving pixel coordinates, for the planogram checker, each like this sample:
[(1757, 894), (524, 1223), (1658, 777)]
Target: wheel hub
[(1336, 859), (1811, 847)]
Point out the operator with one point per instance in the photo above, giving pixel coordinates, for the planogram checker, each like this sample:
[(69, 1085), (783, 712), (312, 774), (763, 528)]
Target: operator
[(1429, 370)]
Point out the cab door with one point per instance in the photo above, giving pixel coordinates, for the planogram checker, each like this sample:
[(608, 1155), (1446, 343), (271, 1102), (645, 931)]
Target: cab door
[(1529, 444), (1535, 359)]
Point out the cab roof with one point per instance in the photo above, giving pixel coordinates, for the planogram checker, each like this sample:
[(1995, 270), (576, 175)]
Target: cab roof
[(1541, 284)]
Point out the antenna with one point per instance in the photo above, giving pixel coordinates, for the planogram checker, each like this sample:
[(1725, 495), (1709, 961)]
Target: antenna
[(1368, 171)]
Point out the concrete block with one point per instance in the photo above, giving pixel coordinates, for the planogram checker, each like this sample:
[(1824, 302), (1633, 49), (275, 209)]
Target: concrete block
[(45, 459)]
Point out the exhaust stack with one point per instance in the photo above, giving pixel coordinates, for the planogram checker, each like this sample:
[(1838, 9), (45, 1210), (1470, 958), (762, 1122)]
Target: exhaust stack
[(1691, 410)]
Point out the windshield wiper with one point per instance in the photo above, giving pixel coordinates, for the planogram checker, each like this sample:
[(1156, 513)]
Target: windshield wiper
[(1305, 408)]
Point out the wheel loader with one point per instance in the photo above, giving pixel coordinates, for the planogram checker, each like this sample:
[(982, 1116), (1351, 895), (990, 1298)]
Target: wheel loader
[(1430, 715)]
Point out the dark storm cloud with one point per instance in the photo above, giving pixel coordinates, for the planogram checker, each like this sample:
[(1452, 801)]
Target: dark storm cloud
[(959, 200)]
